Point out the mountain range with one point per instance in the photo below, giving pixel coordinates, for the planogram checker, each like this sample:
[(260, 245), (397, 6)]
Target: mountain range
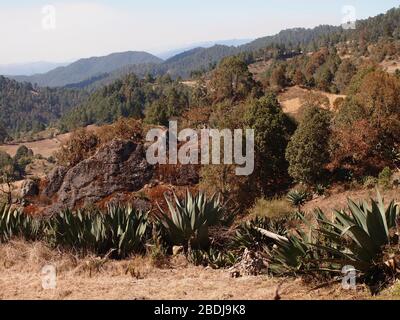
[(84, 69), (97, 71), (92, 73), (206, 44)]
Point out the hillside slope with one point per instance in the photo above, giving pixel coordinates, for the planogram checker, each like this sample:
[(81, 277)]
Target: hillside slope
[(24, 107), (88, 68)]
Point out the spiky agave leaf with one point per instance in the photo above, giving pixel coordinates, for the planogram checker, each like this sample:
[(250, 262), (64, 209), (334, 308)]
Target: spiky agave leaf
[(188, 220), (360, 234)]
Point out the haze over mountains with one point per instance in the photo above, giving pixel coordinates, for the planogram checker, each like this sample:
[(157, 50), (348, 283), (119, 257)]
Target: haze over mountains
[(207, 44), (87, 68), (97, 71), (29, 69)]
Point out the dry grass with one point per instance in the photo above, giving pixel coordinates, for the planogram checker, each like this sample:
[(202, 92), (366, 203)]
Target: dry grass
[(138, 278), (275, 208), (339, 198), (293, 99), (44, 147)]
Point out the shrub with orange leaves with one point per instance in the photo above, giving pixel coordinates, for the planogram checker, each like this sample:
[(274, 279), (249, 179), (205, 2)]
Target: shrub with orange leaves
[(356, 148), (81, 145)]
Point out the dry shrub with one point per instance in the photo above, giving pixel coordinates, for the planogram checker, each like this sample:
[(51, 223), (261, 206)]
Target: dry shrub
[(125, 129), (84, 143), (354, 148), (22, 255), (313, 99), (275, 208), (81, 145), (196, 118), (338, 103), (222, 179)]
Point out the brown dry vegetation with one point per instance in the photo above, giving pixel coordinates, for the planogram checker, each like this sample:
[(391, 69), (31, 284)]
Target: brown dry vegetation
[(139, 278)]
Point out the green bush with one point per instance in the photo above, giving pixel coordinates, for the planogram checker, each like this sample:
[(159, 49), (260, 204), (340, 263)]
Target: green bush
[(308, 150), (370, 182), (385, 178)]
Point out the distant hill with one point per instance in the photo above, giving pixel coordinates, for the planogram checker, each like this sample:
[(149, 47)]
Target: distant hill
[(84, 69), (28, 69), (25, 108), (182, 64), (96, 72), (234, 42)]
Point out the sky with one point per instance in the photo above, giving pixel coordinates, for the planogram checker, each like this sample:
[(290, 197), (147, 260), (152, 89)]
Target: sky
[(66, 30)]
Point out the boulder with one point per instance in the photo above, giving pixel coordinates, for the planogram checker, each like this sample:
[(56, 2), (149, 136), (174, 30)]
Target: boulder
[(55, 180), (29, 188), (117, 167)]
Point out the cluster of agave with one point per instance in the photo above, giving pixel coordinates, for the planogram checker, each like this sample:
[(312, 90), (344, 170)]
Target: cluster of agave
[(122, 230), (365, 236), (14, 224), (119, 230), (356, 237)]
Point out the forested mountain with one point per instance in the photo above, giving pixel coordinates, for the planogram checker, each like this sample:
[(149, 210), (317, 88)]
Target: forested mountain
[(24, 107), (367, 31), (95, 72), (130, 96), (84, 69)]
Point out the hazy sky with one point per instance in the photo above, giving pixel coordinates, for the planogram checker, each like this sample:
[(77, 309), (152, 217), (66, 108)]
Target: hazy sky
[(61, 30)]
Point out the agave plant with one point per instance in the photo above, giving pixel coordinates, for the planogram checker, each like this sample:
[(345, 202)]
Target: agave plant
[(122, 230), (187, 221), (14, 223), (75, 229), (213, 258), (298, 198), (126, 229), (249, 237), (291, 254), (358, 237)]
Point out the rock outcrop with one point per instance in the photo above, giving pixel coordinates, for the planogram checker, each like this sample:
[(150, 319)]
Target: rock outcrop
[(29, 188), (119, 166)]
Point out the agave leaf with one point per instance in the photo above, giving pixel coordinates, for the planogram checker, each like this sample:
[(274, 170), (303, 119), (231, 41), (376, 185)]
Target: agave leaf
[(362, 239), (377, 226)]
